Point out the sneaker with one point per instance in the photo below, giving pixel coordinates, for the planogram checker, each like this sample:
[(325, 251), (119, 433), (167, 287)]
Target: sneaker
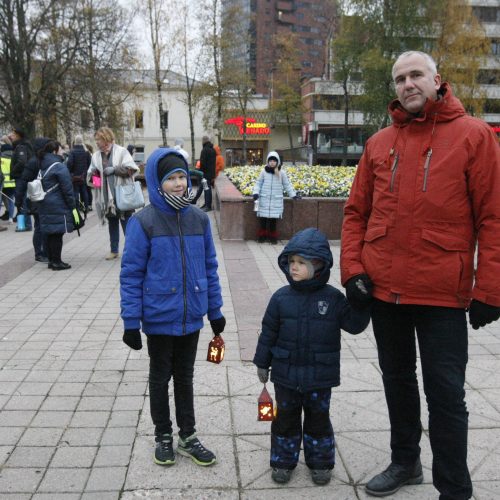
[(191, 447), (394, 477), (164, 452), (281, 476), (112, 256), (321, 476)]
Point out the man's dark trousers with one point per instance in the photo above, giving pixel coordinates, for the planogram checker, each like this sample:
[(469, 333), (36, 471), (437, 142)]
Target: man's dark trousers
[(442, 339)]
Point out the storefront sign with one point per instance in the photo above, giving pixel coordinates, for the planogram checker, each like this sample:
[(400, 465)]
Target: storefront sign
[(252, 127)]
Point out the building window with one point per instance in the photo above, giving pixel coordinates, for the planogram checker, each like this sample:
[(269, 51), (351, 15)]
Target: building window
[(164, 120), (138, 118)]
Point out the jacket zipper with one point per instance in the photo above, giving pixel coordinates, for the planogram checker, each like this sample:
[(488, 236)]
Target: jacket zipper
[(426, 168), (183, 262), (271, 195), (394, 168)]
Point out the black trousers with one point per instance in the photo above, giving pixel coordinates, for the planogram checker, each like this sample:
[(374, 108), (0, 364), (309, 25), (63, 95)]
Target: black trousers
[(172, 356), (443, 344), (54, 247)]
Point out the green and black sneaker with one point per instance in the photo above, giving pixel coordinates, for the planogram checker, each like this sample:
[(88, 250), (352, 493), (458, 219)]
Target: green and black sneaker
[(164, 452), (191, 447)]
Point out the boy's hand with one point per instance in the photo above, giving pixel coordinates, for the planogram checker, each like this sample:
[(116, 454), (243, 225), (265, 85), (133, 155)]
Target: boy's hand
[(218, 325), (133, 339), (263, 374), (359, 291)]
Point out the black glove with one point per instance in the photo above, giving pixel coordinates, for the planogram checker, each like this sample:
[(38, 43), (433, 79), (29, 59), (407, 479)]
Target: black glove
[(255, 196), (263, 374), (359, 291), (133, 339), (480, 314), (218, 325)]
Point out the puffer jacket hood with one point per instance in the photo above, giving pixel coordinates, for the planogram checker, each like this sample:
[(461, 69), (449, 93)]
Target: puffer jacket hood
[(275, 155), (445, 109), (311, 244), (155, 198)]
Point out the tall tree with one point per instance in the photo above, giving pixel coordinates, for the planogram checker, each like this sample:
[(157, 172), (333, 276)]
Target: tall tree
[(161, 34), (29, 67), (460, 49), (347, 49), (287, 100)]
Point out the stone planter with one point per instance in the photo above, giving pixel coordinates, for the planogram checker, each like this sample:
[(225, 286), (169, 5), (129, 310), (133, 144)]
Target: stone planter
[(236, 219)]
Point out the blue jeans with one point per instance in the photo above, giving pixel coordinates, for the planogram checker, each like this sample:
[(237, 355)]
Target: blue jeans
[(287, 432), (172, 356), (443, 344), (114, 231)]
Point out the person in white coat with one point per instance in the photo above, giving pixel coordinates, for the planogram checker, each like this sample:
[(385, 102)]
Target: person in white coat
[(115, 166)]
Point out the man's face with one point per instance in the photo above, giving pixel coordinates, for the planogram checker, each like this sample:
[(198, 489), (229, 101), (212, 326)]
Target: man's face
[(14, 136), (415, 82)]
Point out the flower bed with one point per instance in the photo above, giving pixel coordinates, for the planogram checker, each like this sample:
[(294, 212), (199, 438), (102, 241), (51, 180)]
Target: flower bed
[(316, 181)]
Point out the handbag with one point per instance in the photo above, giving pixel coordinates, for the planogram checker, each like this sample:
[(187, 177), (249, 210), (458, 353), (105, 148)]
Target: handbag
[(129, 196), (96, 181)]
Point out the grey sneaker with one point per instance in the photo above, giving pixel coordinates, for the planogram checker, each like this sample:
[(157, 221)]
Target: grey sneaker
[(321, 476), (164, 452), (191, 447), (281, 476)]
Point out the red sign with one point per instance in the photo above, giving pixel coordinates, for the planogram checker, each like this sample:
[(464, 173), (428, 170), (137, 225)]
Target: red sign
[(251, 126)]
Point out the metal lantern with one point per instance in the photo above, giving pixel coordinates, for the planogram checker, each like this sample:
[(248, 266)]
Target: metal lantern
[(216, 349), (266, 413)]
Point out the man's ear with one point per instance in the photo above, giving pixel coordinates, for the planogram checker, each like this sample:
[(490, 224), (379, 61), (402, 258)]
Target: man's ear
[(437, 81)]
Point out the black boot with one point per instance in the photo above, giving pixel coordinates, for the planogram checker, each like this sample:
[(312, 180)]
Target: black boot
[(396, 475)]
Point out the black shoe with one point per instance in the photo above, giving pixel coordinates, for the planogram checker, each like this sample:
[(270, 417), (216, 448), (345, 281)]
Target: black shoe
[(206, 209), (59, 266), (164, 452), (41, 258), (5, 216), (281, 476), (388, 482), (261, 239), (273, 240), (192, 448)]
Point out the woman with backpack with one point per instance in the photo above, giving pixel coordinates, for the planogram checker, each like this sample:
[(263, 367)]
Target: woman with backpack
[(55, 210)]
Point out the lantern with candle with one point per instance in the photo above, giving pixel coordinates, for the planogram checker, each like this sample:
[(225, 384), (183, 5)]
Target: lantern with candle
[(216, 349), (265, 402)]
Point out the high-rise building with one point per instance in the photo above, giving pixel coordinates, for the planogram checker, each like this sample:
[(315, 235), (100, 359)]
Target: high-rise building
[(309, 23)]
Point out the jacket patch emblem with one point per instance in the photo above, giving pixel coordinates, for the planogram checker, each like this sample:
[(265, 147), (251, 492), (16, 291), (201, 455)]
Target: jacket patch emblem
[(322, 306)]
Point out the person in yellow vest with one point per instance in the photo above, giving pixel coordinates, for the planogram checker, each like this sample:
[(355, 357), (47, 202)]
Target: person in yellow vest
[(9, 184)]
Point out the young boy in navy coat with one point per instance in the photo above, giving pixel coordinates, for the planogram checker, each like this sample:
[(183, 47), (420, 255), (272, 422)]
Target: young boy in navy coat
[(169, 282), (300, 341)]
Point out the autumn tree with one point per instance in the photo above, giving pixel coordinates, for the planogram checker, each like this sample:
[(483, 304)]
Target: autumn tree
[(460, 48), (287, 100)]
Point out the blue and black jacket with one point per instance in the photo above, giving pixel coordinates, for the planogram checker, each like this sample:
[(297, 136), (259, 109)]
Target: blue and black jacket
[(168, 278), (300, 337)]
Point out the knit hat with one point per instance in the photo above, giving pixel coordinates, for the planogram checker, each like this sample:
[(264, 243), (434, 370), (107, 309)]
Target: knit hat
[(205, 139), (169, 164), (313, 265), (39, 143), (19, 131)]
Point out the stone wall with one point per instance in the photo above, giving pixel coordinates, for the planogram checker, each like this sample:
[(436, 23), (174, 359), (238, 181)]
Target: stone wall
[(236, 219)]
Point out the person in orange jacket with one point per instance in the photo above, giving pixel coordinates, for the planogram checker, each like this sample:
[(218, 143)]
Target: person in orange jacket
[(219, 161), (426, 195)]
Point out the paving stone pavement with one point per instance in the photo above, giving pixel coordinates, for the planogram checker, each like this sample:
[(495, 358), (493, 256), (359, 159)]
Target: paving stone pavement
[(74, 408)]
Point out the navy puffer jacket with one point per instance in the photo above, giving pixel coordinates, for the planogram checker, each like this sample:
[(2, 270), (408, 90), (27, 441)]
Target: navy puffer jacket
[(55, 209), (300, 337)]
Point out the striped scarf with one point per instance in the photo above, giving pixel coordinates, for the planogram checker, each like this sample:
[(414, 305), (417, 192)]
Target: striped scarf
[(178, 202)]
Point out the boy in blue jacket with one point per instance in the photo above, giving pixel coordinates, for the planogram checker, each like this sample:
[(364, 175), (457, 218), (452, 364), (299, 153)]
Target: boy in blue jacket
[(300, 341), (168, 282)]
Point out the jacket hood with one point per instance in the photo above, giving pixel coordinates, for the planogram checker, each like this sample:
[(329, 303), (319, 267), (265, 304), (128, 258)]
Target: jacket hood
[(217, 150), (445, 109), (151, 172), (309, 243), (275, 155)]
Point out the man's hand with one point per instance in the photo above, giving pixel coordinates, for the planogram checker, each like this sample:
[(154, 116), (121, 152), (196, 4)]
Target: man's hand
[(133, 339), (218, 325), (480, 314), (359, 291), (263, 374)]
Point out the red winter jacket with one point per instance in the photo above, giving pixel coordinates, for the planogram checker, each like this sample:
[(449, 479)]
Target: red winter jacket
[(427, 189)]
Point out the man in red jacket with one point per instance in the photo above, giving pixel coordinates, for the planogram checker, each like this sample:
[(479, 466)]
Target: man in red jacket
[(426, 194)]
